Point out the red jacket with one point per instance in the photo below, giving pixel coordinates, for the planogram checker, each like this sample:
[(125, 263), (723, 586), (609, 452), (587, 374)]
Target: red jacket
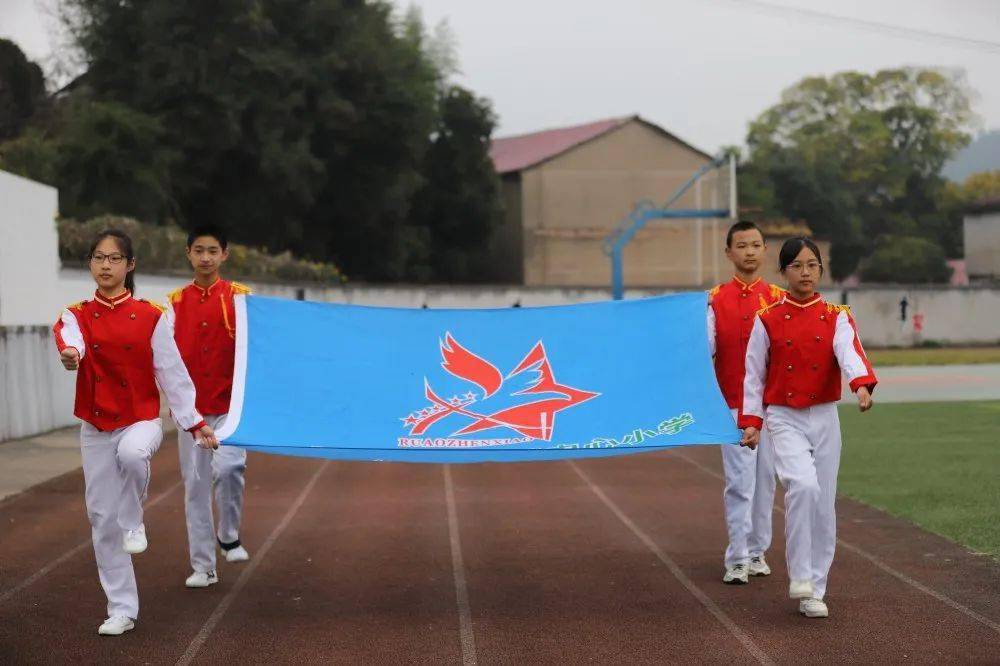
[(796, 355), (205, 331), (126, 348), (732, 307)]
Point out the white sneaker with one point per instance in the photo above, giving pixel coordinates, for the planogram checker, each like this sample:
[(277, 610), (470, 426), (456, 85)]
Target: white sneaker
[(800, 589), (238, 554), (134, 541), (736, 575), (758, 566), (813, 608), (116, 626), (199, 579)]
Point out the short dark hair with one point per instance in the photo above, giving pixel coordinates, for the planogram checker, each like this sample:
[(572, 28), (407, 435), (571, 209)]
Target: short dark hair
[(212, 230), (791, 249), (742, 225)]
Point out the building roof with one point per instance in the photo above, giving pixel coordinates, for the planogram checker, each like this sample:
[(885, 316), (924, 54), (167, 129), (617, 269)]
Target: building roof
[(783, 227), (775, 227), (516, 153)]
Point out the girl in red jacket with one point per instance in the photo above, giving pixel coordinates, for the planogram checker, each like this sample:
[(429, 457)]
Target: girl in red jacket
[(121, 348), (798, 349)]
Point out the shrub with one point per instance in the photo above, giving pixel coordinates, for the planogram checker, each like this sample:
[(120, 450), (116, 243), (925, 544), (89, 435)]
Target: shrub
[(160, 249), (905, 259)]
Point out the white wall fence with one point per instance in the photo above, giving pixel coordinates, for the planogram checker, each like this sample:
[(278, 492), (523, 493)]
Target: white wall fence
[(75, 284), (36, 392), (949, 315)]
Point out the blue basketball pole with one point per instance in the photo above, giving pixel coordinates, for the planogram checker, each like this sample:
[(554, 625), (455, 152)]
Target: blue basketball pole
[(645, 211)]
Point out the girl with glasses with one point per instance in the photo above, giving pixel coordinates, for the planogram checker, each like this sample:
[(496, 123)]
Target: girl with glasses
[(122, 348), (798, 349)]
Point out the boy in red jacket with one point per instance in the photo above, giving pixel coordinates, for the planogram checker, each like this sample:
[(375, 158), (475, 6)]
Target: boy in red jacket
[(749, 490), (204, 328)]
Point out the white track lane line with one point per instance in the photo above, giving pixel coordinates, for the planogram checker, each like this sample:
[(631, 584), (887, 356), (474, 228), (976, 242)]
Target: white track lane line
[(44, 571), (458, 567), (199, 640), (880, 564), (709, 605)]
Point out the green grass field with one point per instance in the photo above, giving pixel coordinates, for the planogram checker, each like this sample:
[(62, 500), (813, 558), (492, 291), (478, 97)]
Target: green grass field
[(934, 464), (934, 356)]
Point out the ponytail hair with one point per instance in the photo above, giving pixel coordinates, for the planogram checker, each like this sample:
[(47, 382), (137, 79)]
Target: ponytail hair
[(130, 281), (124, 243)]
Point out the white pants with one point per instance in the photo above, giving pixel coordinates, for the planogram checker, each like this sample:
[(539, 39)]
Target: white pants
[(202, 469), (116, 470), (807, 457), (748, 498)]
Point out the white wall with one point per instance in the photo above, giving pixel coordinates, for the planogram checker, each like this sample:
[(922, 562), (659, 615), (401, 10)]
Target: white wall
[(75, 284), (958, 315), (954, 315), (29, 250)]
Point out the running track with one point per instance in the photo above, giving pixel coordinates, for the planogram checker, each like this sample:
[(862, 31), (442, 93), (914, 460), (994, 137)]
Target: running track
[(603, 561)]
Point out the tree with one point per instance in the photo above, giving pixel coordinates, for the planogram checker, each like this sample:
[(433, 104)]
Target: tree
[(22, 89), (458, 206), (859, 157), (111, 159), (33, 156), (978, 186), (102, 156), (906, 259), (298, 125)]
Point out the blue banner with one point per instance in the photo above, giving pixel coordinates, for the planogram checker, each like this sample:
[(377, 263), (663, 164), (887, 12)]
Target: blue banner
[(547, 383)]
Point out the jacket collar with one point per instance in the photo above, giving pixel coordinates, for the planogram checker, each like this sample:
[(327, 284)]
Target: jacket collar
[(812, 300), (206, 291), (112, 303), (743, 285)]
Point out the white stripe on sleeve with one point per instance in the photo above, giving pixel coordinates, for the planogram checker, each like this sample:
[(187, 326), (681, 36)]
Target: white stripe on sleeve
[(758, 354), (172, 375), (845, 348)]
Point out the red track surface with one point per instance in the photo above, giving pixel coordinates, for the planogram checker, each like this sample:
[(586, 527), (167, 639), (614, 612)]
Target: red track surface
[(615, 560)]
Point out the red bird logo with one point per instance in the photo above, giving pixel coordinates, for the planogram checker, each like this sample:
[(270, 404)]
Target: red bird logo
[(535, 419)]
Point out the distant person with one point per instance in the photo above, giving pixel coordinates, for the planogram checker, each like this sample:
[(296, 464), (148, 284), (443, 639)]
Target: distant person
[(121, 348), (204, 319), (748, 496), (798, 349)]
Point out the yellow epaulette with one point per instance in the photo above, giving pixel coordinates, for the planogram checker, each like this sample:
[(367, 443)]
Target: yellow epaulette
[(76, 306), (830, 307), (767, 307), (713, 292), (239, 288), (153, 303), (776, 292), (175, 295)]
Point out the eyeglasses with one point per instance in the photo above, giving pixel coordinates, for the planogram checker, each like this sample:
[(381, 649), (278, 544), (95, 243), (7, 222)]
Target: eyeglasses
[(114, 258), (797, 266)]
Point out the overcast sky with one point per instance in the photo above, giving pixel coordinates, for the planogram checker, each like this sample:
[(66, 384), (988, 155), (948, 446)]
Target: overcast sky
[(700, 68)]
